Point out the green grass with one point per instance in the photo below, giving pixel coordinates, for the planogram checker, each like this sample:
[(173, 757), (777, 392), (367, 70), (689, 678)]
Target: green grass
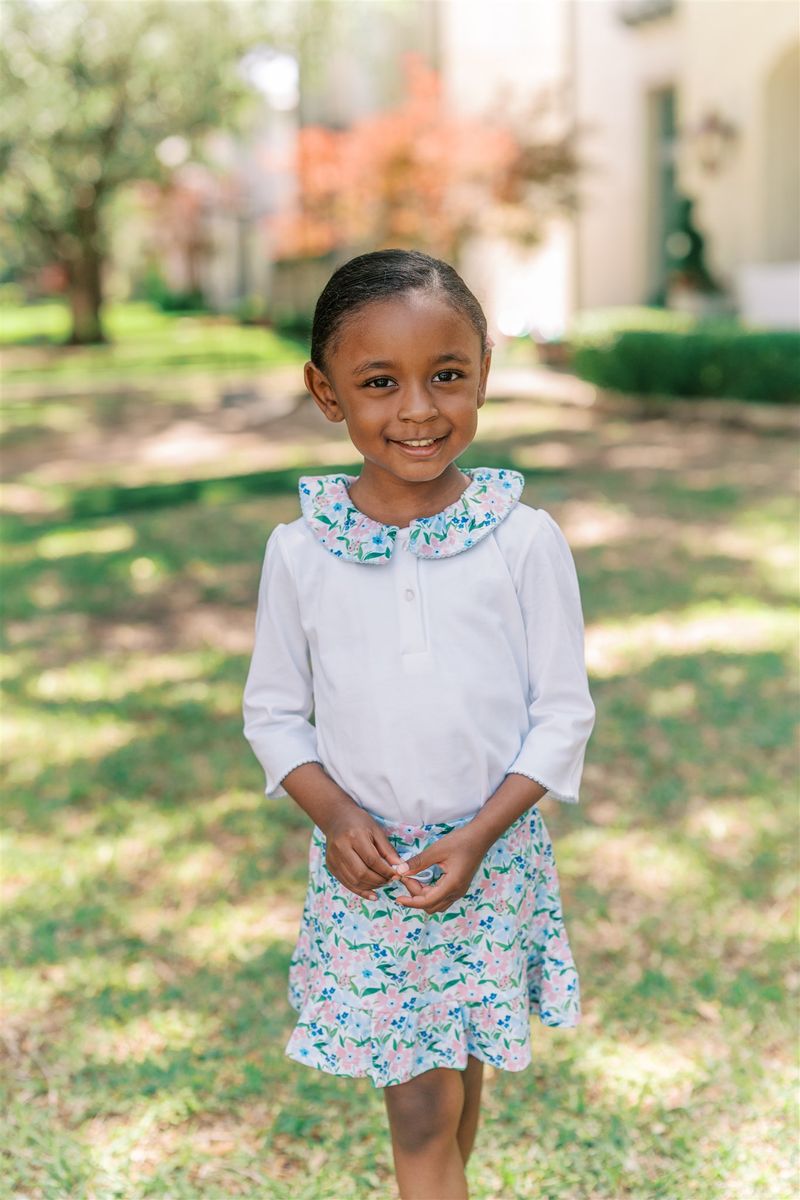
[(142, 342), (152, 893)]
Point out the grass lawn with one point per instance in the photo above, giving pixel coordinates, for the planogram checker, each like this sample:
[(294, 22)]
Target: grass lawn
[(143, 341), (152, 893)]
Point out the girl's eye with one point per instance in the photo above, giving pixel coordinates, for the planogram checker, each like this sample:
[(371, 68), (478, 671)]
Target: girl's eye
[(451, 372), (382, 380)]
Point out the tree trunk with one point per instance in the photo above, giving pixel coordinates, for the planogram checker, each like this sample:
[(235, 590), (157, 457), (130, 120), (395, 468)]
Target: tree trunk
[(85, 281)]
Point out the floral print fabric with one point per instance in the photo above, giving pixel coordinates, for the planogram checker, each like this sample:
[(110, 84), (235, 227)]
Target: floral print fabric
[(350, 534), (388, 992)]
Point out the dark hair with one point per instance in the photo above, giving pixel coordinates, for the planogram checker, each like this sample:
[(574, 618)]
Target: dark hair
[(383, 275)]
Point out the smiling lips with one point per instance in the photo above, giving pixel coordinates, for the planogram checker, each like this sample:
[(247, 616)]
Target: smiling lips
[(419, 447)]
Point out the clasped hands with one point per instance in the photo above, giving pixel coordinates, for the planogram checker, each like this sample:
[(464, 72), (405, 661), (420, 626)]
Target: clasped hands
[(362, 858)]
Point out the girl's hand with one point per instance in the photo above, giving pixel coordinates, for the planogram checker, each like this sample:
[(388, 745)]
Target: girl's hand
[(359, 853), (459, 854)]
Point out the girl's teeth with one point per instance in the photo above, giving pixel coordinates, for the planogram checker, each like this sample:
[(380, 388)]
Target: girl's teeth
[(427, 442)]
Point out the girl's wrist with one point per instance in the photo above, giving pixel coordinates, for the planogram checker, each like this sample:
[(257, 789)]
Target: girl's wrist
[(516, 794), (319, 796)]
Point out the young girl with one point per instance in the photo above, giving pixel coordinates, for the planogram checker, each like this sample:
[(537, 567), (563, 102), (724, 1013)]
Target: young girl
[(432, 623)]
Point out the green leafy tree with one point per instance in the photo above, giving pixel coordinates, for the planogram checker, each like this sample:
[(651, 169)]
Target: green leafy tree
[(91, 89)]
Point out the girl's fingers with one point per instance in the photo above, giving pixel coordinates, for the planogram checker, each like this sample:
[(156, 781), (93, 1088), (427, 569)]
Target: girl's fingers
[(371, 858), (433, 895), (428, 857), (414, 886), (360, 873), (388, 852)]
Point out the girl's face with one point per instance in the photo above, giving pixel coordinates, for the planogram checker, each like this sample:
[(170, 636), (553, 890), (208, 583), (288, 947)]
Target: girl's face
[(405, 370)]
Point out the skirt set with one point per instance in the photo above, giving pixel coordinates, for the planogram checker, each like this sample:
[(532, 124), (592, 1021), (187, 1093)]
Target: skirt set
[(435, 660), (388, 992)]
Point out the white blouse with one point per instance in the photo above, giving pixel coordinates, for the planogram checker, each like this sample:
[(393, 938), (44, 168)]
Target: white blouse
[(435, 659)]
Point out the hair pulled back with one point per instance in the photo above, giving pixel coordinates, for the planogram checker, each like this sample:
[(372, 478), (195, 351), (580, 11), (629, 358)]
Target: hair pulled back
[(385, 275)]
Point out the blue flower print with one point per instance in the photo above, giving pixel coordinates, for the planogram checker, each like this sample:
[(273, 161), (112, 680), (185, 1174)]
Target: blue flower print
[(488, 498), (388, 994)]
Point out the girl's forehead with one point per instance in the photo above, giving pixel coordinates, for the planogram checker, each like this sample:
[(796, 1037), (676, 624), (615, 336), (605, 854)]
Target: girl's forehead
[(417, 320)]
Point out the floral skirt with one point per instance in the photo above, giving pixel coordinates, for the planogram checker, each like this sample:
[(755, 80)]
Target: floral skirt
[(388, 992)]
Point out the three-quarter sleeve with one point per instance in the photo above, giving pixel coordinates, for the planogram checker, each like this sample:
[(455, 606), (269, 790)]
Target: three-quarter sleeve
[(562, 712), (278, 694)]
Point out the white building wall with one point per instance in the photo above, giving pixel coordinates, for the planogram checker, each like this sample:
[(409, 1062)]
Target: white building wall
[(497, 58), (617, 66), (718, 55)]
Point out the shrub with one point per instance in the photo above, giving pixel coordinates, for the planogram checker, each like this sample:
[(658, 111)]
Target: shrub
[(155, 289), (294, 324), (701, 359)]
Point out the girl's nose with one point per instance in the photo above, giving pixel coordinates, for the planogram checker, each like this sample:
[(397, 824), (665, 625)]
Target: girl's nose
[(417, 404)]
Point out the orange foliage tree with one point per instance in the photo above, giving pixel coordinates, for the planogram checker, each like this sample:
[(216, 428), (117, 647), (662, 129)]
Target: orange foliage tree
[(418, 175)]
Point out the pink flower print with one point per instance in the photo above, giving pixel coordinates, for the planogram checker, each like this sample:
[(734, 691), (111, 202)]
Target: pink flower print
[(394, 929), (380, 1003), (387, 1005), (340, 958), (495, 965)]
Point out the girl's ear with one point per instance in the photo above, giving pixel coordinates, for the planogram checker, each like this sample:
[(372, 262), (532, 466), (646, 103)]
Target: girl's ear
[(484, 376), (321, 389)]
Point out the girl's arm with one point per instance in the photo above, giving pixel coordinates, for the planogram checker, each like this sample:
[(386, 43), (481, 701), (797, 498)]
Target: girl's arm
[(550, 759), (277, 705), (278, 694), (562, 713), (561, 710), (358, 852)]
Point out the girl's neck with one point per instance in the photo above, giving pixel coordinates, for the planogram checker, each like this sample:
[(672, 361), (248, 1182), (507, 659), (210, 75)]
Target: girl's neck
[(393, 501)]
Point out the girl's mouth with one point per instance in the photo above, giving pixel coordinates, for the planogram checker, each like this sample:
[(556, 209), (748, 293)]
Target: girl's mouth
[(421, 447)]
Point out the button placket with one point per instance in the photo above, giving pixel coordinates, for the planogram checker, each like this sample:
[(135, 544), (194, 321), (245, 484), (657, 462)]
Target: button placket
[(412, 628)]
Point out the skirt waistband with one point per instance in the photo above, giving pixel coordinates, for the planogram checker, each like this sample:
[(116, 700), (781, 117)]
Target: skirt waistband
[(437, 828)]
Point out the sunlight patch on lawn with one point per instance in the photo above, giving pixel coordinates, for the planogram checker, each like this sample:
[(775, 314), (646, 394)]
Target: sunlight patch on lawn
[(754, 1144), (596, 522), (673, 701), (640, 861), (520, 417), (151, 1036), (140, 1140), (34, 739), (138, 1145), (240, 931), (26, 992), (66, 543), (652, 1073), (110, 679), (612, 648), (729, 829)]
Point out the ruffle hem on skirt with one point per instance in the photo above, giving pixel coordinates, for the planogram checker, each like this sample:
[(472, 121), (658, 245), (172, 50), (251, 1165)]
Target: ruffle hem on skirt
[(388, 992)]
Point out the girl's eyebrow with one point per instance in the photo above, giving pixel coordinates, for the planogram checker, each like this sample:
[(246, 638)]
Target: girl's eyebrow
[(384, 364)]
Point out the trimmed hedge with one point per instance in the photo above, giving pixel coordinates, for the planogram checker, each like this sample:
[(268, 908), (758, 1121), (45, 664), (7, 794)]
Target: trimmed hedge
[(710, 360)]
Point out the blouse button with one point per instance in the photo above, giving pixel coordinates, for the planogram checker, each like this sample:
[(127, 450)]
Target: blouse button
[(409, 593)]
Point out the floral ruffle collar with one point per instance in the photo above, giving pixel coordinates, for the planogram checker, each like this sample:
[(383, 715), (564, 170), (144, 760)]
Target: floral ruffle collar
[(350, 534)]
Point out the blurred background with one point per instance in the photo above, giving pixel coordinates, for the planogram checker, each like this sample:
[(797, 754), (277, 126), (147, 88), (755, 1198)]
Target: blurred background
[(619, 183)]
